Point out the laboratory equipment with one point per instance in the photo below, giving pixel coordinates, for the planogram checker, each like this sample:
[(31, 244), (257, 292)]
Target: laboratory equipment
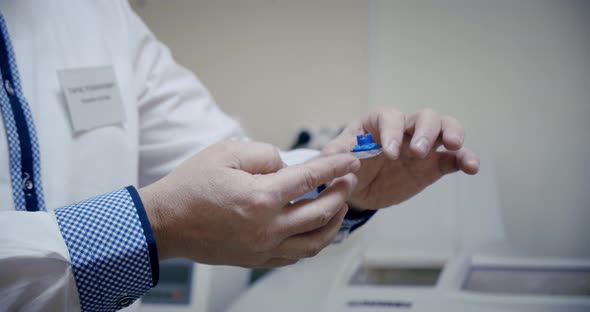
[(446, 250), (496, 277), (430, 253), (315, 136), (187, 286)]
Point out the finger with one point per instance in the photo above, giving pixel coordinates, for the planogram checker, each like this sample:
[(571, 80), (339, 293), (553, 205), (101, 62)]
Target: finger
[(410, 122), (426, 132), (253, 157), (465, 160), (277, 263), (389, 126), (294, 181), (309, 215), (453, 133), (469, 161), (310, 244), (345, 141)]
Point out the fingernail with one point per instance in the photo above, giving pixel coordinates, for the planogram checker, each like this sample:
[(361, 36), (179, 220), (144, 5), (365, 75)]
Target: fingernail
[(456, 140), (422, 145), (394, 148)]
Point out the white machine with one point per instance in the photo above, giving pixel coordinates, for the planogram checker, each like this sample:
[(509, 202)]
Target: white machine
[(493, 279), (443, 250), (452, 256), (185, 286)]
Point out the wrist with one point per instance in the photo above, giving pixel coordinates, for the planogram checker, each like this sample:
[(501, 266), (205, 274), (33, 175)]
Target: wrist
[(154, 209)]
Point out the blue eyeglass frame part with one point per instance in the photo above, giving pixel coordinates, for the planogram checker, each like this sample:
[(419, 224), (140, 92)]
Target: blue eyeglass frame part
[(365, 148)]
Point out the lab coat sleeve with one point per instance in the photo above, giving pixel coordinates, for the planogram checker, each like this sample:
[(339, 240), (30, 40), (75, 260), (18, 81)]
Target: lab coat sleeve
[(35, 270), (95, 255), (177, 115)]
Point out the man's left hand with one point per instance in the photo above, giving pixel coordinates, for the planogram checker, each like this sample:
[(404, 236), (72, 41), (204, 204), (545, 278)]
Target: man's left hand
[(418, 149)]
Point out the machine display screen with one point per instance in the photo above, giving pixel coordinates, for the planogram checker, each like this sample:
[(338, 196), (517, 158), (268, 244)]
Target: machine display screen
[(395, 276), (526, 281), (175, 283)]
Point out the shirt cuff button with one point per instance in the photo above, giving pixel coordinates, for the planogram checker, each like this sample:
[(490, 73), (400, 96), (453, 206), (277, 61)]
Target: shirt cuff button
[(8, 87), (124, 301)]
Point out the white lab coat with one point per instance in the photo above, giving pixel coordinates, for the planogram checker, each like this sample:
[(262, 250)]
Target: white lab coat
[(169, 117)]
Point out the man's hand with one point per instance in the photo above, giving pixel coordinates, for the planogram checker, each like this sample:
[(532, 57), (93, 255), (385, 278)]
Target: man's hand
[(229, 205), (412, 158)]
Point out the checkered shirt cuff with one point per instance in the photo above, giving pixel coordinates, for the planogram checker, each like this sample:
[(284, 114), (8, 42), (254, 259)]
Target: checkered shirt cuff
[(112, 249), (352, 221)]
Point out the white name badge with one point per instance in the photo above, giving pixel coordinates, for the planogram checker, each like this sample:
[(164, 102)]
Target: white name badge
[(93, 97)]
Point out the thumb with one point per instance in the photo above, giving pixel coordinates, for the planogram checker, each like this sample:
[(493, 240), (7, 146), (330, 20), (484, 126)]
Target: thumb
[(464, 159)]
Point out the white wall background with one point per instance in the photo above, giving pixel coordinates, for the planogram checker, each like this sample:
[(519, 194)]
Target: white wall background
[(517, 73), (276, 64)]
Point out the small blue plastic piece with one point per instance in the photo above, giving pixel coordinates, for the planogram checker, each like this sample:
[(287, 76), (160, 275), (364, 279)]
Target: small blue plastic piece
[(366, 147), (365, 143)]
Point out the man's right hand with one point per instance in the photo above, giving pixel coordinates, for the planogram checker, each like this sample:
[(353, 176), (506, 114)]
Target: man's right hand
[(230, 205)]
